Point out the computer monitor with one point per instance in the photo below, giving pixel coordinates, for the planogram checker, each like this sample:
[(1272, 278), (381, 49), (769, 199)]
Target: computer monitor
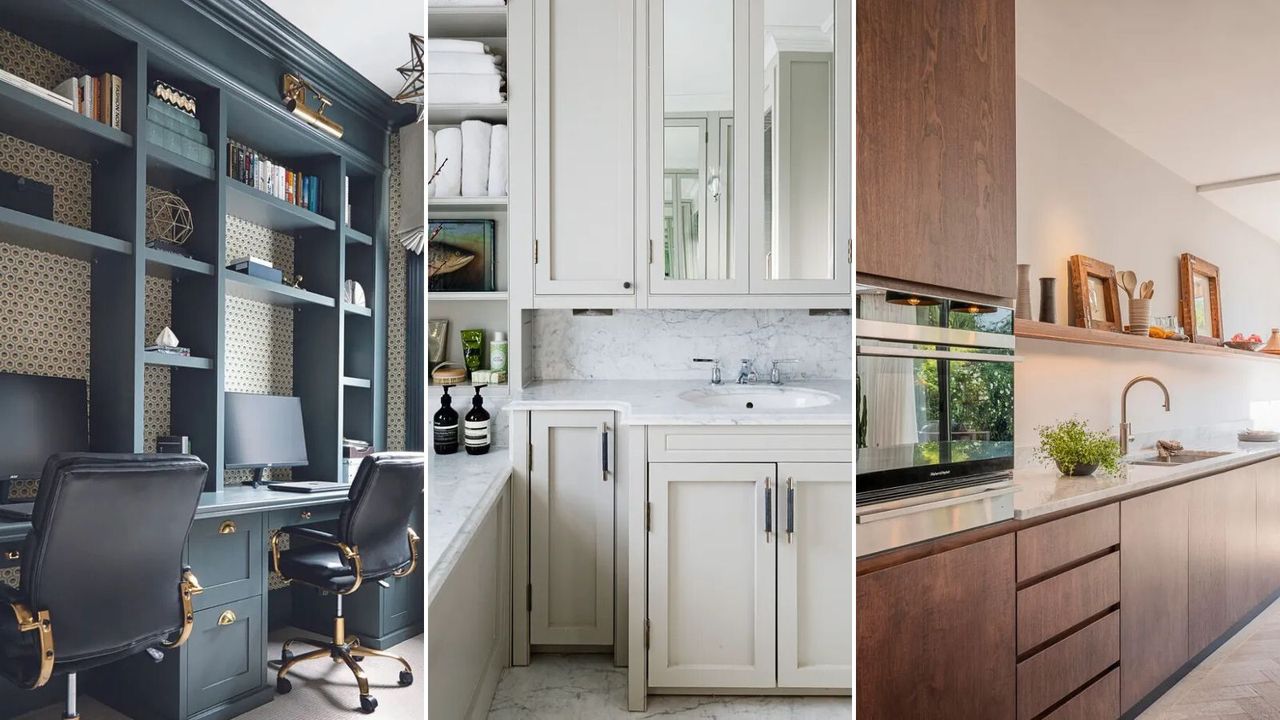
[(264, 431), (42, 416)]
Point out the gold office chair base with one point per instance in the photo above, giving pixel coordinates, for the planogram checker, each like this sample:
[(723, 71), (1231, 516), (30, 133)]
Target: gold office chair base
[(344, 649)]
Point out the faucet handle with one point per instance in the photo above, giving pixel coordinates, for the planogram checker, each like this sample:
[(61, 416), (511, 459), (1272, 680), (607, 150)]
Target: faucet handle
[(715, 368), (775, 362)]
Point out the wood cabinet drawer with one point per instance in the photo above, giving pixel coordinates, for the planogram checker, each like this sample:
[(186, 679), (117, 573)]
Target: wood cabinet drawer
[(226, 654), (1056, 544), (1099, 701), (308, 515), (1063, 601), (1062, 668), (227, 556)]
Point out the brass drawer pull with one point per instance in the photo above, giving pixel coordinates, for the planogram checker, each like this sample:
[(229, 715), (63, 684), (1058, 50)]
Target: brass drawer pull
[(226, 618), (227, 527), (306, 514), (12, 555)]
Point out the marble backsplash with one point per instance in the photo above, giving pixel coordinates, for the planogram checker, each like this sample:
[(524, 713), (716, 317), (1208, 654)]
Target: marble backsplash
[(660, 344)]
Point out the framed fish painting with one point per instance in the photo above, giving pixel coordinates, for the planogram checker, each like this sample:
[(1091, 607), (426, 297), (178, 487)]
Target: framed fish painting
[(461, 257)]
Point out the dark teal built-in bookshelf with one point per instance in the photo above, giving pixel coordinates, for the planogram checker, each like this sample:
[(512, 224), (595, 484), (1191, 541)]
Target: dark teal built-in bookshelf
[(339, 353)]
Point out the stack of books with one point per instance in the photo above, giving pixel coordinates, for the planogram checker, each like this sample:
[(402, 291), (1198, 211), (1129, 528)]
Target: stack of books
[(261, 173), (99, 98), (177, 132), (34, 89)]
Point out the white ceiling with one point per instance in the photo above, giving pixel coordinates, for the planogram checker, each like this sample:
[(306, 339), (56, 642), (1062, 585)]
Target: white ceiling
[(1190, 83), (372, 37)]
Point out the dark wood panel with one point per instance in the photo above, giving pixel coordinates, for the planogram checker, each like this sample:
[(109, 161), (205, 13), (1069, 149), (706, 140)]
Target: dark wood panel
[(1153, 590), (1099, 701), (1266, 577), (936, 124), (1067, 665), (1221, 542), (1053, 545), (936, 636), (1054, 606)]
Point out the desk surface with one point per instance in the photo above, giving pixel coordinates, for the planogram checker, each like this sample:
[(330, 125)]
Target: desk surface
[(234, 500)]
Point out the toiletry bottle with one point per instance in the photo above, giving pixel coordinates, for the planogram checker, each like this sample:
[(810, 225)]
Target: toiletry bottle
[(445, 426), (476, 427), (498, 351)]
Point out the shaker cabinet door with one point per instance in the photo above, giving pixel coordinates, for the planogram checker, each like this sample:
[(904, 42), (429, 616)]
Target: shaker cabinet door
[(712, 575), (571, 527), (815, 575), (584, 157)]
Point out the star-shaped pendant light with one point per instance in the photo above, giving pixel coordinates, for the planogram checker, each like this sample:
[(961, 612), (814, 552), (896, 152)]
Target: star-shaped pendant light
[(411, 71)]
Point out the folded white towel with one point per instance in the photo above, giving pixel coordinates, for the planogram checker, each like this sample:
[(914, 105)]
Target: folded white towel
[(435, 45), (475, 157), (449, 162), (466, 3), (439, 63), (498, 161), (456, 89), (431, 161)]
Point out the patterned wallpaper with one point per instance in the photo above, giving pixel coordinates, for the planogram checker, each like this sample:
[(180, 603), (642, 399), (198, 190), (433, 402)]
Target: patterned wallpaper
[(396, 321)]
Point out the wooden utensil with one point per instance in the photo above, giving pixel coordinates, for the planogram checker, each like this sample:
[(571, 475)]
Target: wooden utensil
[(1148, 289), (1128, 280)]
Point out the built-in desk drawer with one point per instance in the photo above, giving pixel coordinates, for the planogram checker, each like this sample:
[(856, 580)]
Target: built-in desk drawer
[(1045, 548), (308, 515), (1054, 606), (10, 562), (1067, 665), (225, 653), (226, 555)]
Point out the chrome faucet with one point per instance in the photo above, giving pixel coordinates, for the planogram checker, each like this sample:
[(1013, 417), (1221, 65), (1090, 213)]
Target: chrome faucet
[(775, 375), (1126, 430), (746, 373), (715, 369)]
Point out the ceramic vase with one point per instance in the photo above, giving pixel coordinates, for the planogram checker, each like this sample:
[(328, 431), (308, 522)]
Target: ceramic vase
[(1022, 310), (1048, 311), (1077, 470), (1273, 343), (1139, 315)]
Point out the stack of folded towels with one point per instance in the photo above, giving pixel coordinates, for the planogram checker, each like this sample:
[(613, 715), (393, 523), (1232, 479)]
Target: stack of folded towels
[(471, 160), (462, 72)]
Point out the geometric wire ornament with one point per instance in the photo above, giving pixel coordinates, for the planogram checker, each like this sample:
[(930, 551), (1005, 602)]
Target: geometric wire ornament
[(411, 71), (168, 217)]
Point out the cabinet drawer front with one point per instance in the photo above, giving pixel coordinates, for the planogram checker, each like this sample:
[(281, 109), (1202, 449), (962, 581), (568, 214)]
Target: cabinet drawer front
[(1055, 605), (304, 515), (1056, 544), (808, 443), (226, 654), (228, 555), (1062, 668), (1099, 701)]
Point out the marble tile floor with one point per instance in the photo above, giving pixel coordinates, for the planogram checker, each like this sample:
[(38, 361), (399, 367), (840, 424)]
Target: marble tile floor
[(589, 687), (1239, 681)]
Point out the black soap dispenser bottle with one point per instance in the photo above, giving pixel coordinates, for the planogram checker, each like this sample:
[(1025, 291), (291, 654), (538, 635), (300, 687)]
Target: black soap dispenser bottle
[(445, 426), (477, 426)]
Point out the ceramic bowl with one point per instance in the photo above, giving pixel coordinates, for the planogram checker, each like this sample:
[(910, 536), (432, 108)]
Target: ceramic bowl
[(1243, 345)]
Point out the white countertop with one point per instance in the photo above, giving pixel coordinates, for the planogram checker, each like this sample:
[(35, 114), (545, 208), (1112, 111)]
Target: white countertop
[(658, 402), (1042, 491), (461, 489)]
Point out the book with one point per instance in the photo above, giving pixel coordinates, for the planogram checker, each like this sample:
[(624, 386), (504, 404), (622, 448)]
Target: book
[(278, 180), (86, 96), (33, 89), (117, 87), (68, 89)]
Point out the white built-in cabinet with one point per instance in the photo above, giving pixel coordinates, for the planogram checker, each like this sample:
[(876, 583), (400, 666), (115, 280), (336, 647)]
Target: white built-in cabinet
[(571, 521), (750, 580)]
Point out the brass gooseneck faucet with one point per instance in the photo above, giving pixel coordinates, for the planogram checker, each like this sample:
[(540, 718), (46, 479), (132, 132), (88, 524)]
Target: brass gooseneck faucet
[(1125, 429)]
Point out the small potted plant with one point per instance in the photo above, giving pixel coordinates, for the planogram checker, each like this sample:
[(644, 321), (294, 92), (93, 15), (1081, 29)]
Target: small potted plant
[(1076, 450)]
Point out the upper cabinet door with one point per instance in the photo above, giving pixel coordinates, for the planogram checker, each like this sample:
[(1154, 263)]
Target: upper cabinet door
[(698, 88), (799, 146), (585, 145), (935, 162)]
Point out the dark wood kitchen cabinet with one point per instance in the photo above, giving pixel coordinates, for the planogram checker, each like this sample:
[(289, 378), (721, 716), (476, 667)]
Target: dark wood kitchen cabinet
[(936, 636), (1266, 574), (1153, 590), (935, 124), (1221, 542)]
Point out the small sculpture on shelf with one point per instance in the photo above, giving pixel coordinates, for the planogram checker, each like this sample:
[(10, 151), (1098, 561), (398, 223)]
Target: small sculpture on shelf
[(168, 221), (167, 342)]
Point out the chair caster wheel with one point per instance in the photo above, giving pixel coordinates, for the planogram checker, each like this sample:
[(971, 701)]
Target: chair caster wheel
[(283, 686), (357, 658), (406, 678), (286, 656), (368, 703)]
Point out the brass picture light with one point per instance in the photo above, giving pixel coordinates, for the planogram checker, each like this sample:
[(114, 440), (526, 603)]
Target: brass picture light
[(295, 99)]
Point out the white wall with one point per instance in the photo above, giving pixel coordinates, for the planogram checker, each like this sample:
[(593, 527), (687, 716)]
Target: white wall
[(1083, 190)]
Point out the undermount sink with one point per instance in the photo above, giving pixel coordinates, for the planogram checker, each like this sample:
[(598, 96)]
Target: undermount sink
[(759, 398), (1182, 458)]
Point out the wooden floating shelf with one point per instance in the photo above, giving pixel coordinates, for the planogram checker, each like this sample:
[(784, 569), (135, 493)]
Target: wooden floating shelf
[(1034, 330), (454, 114), (174, 170), (264, 291), (53, 126), (269, 211), (167, 265), (446, 204), (468, 22), (361, 310), (152, 357), (355, 237), (441, 296), (37, 233), (355, 382)]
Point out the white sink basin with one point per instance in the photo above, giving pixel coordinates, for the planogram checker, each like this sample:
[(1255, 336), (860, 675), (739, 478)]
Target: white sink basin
[(748, 397)]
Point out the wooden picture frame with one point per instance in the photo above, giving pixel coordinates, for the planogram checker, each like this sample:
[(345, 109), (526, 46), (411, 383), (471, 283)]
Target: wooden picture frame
[(1094, 300), (1200, 299)]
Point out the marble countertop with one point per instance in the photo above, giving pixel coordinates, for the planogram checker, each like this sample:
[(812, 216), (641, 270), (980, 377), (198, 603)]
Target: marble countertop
[(658, 402), (461, 489), (1041, 491)]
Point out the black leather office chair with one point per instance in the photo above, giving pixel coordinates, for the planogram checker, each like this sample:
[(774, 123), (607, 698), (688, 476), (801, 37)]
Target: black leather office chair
[(373, 542), (102, 571)]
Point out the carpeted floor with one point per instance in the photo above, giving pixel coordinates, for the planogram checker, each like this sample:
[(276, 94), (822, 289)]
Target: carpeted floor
[(321, 690)]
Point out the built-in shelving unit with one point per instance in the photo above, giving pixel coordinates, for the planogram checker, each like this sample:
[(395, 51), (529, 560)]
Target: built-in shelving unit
[(467, 203), (37, 233), (266, 210), (43, 123), (468, 22), (153, 357), (1034, 330), (454, 114), (271, 293)]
